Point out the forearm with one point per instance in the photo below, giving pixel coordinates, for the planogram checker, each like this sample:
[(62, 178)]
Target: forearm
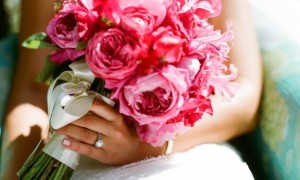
[(26, 119), (237, 116), (34, 18), (229, 120)]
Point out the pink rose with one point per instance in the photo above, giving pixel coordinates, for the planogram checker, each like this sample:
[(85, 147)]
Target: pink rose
[(191, 111), (155, 97), (137, 21), (157, 134), (73, 24), (111, 55), (156, 7)]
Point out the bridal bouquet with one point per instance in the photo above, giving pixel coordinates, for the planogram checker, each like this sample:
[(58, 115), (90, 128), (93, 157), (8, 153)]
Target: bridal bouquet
[(159, 61)]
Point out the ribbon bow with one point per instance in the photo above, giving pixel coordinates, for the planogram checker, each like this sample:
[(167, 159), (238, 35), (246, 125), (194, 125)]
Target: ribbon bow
[(68, 102)]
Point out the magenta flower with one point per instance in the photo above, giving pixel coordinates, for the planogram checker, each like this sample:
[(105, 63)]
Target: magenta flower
[(167, 46), (163, 47), (72, 24), (107, 11)]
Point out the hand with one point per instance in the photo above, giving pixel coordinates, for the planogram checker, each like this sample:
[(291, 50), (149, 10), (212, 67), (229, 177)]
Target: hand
[(121, 143)]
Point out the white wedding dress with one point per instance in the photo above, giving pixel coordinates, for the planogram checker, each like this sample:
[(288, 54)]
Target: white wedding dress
[(276, 20), (209, 161)]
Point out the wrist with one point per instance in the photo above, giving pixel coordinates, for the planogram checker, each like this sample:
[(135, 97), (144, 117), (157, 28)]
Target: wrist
[(147, 150)]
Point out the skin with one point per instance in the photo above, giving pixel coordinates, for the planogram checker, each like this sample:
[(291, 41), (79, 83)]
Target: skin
[(121, 144)]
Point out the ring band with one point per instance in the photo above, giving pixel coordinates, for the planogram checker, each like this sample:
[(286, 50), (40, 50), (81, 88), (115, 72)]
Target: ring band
[(99, 143)]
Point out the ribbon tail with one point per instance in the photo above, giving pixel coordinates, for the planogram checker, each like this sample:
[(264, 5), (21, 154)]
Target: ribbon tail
[(55, 149)]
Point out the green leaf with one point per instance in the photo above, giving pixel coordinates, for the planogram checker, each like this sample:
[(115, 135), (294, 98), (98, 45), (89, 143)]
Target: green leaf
[(37, 41), (106, 21), (47, 72), (81, 45), (98, 86), (57, 7)]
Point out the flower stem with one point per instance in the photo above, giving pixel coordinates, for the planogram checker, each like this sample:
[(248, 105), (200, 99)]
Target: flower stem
[(35, 168), (28, 164), (48, 169), (42, 167), (58, 172)]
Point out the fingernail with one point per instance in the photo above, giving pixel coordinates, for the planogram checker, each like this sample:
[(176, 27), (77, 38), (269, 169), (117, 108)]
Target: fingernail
[(66, 142)]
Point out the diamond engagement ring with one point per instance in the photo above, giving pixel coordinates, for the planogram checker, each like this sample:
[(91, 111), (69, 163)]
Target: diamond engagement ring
[(99, 143)]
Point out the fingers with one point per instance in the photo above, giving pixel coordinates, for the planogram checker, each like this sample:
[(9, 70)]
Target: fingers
[(105, 111), (94, 123), (86, 129), (82, 134), (84, 149)]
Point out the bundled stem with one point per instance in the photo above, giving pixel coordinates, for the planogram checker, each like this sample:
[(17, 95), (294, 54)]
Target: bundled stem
[(42, 167)]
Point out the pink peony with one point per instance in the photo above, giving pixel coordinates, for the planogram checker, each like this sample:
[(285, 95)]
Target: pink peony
[(155, 97), (156, 7), (137, 21), (156, 133), (111, 55), (73, 24)]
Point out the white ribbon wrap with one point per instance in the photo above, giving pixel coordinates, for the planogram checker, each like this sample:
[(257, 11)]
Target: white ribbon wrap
[(66, 103)]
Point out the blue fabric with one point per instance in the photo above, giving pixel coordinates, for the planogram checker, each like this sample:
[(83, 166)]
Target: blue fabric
[(8, 56), (276, 142)]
